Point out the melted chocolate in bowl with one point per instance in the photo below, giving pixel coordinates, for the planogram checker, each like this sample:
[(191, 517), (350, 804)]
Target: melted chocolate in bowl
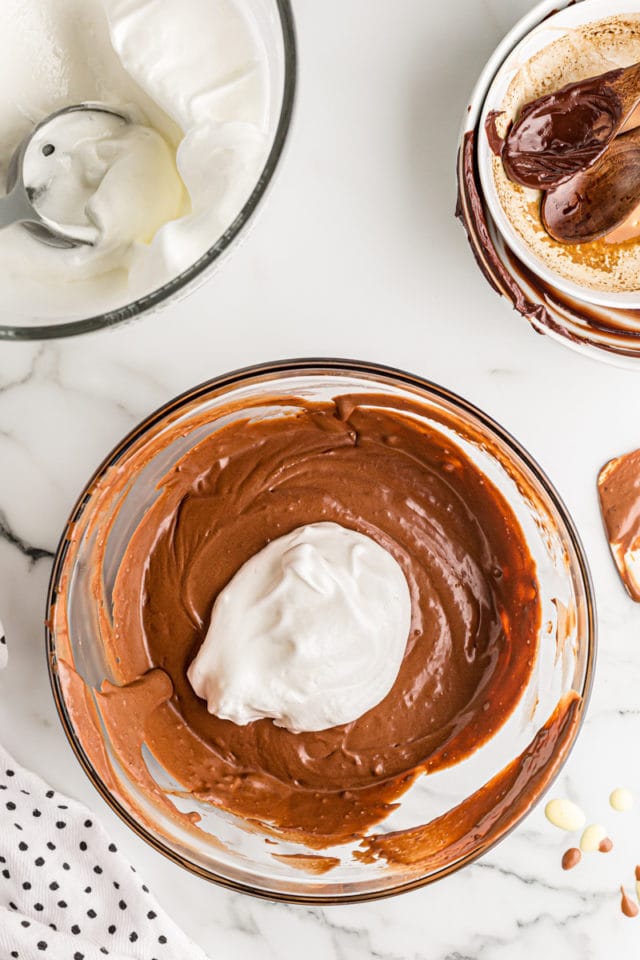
[(490, 692)]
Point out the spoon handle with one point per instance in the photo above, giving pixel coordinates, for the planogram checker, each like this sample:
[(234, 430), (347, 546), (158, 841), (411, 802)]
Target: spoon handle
[(15, 207)]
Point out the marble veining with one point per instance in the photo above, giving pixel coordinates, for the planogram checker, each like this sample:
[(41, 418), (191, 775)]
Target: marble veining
[(26, 549)]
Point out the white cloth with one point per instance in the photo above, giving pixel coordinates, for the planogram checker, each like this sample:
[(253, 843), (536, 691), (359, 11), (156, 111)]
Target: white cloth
[(66, 893)]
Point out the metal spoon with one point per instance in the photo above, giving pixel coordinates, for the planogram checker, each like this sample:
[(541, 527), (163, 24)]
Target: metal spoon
[(593, 203), (18, 206)]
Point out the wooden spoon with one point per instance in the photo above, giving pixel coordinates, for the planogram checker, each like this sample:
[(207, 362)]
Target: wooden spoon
[(564, 133), (596, 201)]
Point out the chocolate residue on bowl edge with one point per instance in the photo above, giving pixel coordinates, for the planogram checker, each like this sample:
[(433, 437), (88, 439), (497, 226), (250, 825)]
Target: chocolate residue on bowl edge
[(537, 301)]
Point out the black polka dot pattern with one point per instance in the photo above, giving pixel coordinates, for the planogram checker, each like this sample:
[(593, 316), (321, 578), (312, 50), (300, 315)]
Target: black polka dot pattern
[(63, 882)]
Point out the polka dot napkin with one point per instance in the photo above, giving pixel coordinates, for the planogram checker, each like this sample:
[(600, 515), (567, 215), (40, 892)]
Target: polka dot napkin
[(66, 893)]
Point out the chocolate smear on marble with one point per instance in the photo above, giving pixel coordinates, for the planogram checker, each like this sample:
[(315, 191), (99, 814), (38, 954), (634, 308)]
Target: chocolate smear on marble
[(619, 492)]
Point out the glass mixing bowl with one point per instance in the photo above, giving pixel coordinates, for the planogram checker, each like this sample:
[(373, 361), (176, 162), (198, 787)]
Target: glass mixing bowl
[(224, 848), (272, 22)]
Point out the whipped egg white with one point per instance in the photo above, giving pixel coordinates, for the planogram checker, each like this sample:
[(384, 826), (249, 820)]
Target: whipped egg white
[(310, 632), (192, 78)]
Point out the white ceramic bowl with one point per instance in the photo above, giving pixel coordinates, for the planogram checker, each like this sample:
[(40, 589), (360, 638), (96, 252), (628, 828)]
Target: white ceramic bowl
[(610, 334), (547, 31)]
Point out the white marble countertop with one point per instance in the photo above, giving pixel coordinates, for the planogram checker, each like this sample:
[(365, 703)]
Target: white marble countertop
[(355, 254)]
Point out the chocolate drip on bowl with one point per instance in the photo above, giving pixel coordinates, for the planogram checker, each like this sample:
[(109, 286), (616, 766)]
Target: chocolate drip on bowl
[(613, 330)]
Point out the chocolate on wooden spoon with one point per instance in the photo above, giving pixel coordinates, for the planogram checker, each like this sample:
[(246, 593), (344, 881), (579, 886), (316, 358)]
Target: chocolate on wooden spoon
[(596, 201), (566, 132)]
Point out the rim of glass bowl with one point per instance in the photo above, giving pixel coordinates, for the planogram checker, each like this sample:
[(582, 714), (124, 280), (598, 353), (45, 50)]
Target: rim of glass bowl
[(266, 372), (170, 291)]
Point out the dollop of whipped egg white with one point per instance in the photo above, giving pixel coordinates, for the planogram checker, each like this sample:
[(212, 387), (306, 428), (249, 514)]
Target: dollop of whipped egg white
[(310, 632), (114, 178), (191, 76)]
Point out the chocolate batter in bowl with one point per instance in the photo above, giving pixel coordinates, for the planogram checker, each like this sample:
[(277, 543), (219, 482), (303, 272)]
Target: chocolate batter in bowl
[(497, 668)]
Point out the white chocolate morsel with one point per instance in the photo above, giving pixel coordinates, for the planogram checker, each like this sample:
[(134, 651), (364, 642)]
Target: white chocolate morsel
[(564, 814), (621, 799), (310, 632), (592, 837)]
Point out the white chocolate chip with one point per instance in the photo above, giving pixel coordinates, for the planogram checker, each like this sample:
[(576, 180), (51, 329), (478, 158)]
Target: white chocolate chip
[(564, 814), (638, 890), (592, 838), (621, 799)]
